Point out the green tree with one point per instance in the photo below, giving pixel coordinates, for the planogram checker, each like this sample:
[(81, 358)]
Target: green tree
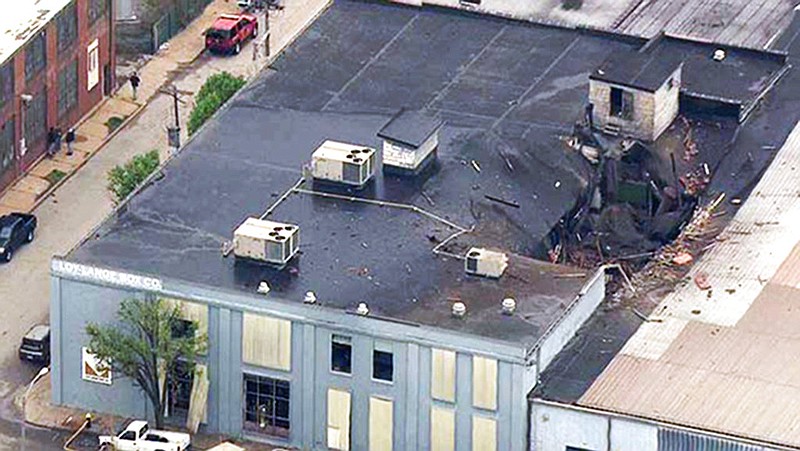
[(146, 344), (212, 95), (122, 180)]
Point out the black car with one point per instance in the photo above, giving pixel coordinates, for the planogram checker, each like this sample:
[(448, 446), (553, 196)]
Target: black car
[(16, 229), (35, 345)]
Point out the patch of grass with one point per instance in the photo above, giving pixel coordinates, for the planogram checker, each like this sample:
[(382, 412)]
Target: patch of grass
[(55, 176), (114, 122), (122, 180), (571, 4), (215, 91)]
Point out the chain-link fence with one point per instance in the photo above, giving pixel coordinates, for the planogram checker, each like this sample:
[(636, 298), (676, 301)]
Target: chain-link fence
[(175, 19)]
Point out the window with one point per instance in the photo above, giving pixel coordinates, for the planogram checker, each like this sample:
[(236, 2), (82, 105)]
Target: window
[(36, 119), (443, 429), (380, 424), (484, 383), (266, 405), (484, 434), (338, 419), (180, 389), (67, 88), (443, 377), (97, 9), (92, 65), (35, 56), (383, 363), (67, 25), (6, 83), (129, 435), (267, 342), (182, 328), (621, 103), (341, 354), (6, 145)]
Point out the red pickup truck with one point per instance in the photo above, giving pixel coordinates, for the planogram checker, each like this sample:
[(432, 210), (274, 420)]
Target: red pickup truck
[(230, 31)]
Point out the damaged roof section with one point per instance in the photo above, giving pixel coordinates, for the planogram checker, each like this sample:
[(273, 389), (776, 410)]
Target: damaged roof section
[(20, 22)]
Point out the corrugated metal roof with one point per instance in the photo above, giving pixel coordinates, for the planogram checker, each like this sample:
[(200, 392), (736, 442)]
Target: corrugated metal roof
[(22, 19), (726, 359)]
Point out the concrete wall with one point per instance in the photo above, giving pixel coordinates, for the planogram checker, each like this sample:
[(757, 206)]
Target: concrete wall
[(75, 303), (555, 426), (580, 310), (653, 112)]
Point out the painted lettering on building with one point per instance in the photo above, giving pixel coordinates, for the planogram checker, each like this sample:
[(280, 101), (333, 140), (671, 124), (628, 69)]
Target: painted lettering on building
[(106, 276)]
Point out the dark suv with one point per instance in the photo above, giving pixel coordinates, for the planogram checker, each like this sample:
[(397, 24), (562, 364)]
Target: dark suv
[(35, 345)]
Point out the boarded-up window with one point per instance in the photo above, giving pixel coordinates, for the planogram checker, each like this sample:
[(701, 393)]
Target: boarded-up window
[(67, 88), (443, 429), (443, 375), (36, 119), (35, 56), (67, 27), (193, 312), (338, 419), (267, 342), (97, 9), (484, 382), (6, 83), (484, 434), (380, 424)]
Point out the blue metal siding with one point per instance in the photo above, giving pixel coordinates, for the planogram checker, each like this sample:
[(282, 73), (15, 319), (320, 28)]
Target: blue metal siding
[(672, 440)]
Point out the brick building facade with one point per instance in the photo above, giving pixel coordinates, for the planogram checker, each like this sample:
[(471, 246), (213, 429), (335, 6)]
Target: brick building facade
[(57, 65)]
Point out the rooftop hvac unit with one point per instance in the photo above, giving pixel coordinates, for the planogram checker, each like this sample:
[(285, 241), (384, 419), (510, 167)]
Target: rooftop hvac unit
[(266, 241), (486, 263), (343, 163)]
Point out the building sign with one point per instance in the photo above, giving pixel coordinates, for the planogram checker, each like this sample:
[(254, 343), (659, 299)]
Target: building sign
[(92, 273), (93, 369), (93, 65)]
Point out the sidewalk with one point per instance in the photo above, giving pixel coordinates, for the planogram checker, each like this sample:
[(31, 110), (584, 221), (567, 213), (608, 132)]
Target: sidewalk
[(93, 131), (40, 413)]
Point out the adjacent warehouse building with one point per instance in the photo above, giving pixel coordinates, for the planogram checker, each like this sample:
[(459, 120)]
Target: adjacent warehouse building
[(56, 63)]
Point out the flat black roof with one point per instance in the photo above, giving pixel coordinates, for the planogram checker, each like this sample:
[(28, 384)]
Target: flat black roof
[(410, 127), (637, 70), (508, 93)]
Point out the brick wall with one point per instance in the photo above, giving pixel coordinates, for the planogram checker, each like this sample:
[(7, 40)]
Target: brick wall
[(46, 82)]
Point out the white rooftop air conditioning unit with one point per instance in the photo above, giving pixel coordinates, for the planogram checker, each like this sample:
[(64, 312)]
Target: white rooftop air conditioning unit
[(266, 241), (486, 263), (343, 163)]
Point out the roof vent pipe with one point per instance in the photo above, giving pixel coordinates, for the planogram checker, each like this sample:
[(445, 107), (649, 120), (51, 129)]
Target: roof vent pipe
[(719, 55), (362, 309), (509, 306), (263, 287), (459, 309), (310, 298)]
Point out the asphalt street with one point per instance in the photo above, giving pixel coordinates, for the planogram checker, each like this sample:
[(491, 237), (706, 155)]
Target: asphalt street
[(67, 216)]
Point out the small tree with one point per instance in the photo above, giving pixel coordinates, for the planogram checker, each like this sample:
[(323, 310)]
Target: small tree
[(214, 92), (146, 345), (122, 180)]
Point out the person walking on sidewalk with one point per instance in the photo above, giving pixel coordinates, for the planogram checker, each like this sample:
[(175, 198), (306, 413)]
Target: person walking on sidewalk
[(70, 138), (135, 80)]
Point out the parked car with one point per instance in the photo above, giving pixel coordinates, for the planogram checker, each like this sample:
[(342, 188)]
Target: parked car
[(230, 31), (16, 229), (138, 436), (35, 346)]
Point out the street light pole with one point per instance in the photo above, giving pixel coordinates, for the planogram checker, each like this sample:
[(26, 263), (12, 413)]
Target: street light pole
[(43, 372)]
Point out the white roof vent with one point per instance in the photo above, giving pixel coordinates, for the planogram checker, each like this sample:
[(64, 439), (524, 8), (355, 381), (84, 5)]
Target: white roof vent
[(486, 263), (362, 309), (343, 163), (509, 306), (263, 287), (459, 309), (266, 241), (719, 55), (310, 298)]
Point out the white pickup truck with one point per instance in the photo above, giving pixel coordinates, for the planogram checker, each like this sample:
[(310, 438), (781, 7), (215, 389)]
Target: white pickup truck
[(139, 437)]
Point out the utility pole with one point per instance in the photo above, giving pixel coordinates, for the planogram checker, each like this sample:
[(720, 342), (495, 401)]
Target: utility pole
[(174, 132)]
